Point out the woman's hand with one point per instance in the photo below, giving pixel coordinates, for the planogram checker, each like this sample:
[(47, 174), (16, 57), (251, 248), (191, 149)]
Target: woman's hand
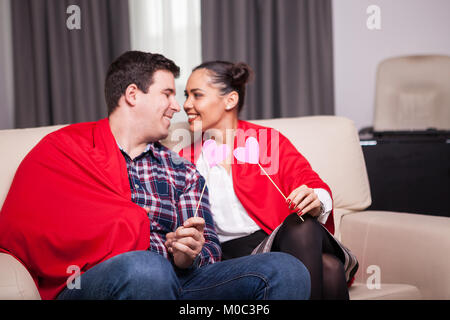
[(304, 200)]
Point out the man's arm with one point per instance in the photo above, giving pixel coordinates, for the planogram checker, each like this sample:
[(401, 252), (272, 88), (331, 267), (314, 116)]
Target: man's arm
[(196, 241)]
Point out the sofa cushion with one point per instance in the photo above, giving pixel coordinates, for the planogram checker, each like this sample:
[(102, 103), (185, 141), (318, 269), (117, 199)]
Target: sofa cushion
[(331, 145), (14, 146), (321, 139), (387, 291), (407, 248), (15, 281)]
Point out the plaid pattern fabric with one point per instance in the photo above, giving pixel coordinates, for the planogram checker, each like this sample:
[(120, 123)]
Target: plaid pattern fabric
[(171, 187)]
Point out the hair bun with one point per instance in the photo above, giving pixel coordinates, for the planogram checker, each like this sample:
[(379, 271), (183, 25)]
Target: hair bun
[(241, 73)]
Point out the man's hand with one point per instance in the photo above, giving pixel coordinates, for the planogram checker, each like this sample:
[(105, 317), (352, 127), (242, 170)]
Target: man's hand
[(304, 200), (186, 242)]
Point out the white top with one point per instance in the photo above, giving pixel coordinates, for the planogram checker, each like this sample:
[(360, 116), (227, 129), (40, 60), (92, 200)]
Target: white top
[(231, 219)]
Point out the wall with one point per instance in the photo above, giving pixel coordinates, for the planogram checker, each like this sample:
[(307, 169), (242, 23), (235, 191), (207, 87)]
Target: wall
[(407, 27)]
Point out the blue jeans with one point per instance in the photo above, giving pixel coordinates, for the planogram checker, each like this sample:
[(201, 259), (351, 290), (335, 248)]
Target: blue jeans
[(144, 275)]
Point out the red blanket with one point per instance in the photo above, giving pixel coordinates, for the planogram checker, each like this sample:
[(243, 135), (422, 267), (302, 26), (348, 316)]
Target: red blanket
[(70, 205), (285, 165)]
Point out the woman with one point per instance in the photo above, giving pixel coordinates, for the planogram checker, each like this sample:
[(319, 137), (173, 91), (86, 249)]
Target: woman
[(246, 206)]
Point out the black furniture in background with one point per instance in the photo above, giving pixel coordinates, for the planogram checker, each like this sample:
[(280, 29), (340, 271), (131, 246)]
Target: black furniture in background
[(409, 171)]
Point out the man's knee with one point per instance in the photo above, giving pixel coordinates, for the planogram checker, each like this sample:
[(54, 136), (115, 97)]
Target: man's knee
[(144, 275), (296, 275), (287, 276)]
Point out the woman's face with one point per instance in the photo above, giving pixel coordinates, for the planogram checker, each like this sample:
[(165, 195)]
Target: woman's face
[(204, 104)]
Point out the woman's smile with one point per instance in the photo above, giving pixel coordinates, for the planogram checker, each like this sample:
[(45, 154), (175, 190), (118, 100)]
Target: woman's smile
[(192, 117)]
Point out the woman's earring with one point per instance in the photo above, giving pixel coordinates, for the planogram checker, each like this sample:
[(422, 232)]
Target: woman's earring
[(227, 107)]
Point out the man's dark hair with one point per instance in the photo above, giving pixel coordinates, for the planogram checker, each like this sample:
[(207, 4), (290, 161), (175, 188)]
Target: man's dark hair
[(134, 67)]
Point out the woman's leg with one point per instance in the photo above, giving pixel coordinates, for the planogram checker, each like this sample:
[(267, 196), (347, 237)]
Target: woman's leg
[(303, 241), (334, 283), (265, 276), (310, 244), (243, 246)]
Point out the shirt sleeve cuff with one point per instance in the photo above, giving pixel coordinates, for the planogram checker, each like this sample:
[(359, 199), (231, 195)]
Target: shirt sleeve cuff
[(327, 204)]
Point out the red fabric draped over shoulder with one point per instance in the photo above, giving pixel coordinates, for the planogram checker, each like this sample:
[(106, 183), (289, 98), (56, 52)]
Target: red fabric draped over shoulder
[(70, 205), (282, 161)]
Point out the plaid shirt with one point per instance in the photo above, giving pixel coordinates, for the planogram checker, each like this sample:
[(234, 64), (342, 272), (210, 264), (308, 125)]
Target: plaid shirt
[(171, 187)]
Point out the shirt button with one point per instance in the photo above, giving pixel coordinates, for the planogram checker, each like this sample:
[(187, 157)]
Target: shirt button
[(136, 186)]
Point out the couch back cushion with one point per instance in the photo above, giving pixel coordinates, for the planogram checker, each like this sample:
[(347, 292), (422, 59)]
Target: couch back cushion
[(330, 143), (14, 146)]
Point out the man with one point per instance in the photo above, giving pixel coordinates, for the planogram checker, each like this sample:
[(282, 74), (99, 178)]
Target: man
[(69, 207)]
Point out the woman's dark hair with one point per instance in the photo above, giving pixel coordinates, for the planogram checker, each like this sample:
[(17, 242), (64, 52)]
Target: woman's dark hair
[(229, 77), (134, 67)]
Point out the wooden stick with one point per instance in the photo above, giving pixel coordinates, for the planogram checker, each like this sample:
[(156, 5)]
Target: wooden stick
[(198, 204), (204, 186), (285, 198)]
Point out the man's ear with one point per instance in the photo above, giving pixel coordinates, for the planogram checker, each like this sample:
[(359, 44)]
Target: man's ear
[(131, 94), (232, 100)]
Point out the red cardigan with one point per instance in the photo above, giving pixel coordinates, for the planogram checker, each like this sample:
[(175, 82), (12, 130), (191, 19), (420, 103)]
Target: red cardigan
[(70, 205), (258, 195)]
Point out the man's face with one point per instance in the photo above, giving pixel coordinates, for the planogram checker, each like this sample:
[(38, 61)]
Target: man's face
[(155, 108)]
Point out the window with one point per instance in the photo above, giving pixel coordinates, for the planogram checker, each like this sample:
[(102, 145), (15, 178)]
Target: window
[(172, 28)]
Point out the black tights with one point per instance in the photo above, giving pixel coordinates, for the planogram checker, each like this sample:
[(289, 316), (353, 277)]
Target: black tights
[(311, 244)]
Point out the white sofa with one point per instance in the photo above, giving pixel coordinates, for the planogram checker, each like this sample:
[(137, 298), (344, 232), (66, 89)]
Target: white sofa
[(401, 255)]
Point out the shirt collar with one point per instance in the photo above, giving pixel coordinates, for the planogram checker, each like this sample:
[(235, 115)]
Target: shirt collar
[(151, 148)]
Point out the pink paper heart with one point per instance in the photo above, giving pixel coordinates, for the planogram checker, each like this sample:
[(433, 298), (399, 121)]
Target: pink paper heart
[(213, 153), (249, 153)]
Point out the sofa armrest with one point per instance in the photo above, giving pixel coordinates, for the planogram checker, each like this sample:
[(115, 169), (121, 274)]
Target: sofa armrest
[(408, 248), (15, 281)]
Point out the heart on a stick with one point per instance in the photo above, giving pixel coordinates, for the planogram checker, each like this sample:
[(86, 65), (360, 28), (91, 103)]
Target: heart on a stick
[(249, 153), (213, 153)]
